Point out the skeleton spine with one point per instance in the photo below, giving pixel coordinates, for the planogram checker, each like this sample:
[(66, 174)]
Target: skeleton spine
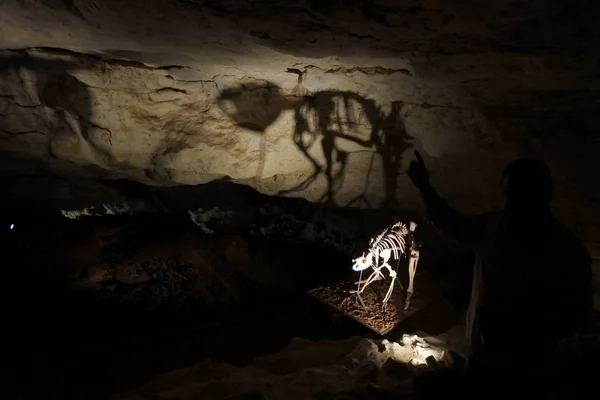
[(391, 238)]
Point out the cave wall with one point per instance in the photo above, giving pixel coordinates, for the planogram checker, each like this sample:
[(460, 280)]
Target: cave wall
[(321, 101)]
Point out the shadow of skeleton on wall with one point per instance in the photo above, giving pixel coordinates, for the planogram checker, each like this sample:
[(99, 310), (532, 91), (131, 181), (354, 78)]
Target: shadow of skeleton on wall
[(320, 119)]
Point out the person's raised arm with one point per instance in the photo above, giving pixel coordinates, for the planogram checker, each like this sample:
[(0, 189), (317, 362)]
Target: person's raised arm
[(448, 222)]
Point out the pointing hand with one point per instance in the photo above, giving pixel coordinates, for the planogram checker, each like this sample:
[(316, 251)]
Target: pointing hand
[(417, 171)]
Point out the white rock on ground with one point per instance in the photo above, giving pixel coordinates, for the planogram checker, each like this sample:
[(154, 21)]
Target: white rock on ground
[(306, 369)]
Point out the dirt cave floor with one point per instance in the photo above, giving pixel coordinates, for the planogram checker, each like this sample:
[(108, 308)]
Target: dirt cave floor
[(102, 304), (369, 309)]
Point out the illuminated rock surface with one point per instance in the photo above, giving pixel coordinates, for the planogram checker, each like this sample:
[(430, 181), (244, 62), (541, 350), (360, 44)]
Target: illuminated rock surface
[(111, 106), (305, 369), (186, 92), (354, 368)]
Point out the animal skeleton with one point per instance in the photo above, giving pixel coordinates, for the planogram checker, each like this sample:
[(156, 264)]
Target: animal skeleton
[(391, 242)]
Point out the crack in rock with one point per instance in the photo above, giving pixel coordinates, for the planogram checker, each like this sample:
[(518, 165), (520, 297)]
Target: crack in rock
[(364, 70)]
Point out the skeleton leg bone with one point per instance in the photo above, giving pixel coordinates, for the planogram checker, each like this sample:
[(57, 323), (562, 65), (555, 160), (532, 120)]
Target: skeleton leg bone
[(393, 274), (391, 289), (358, 297), (386, 254), (375, 276), (412, 270), (371, 277)]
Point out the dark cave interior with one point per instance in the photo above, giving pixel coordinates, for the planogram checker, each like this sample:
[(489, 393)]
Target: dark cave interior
[(186, 186), (106, 303)]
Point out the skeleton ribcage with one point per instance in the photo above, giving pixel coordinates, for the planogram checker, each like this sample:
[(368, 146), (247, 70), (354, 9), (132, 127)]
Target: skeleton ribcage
[(393, 238)]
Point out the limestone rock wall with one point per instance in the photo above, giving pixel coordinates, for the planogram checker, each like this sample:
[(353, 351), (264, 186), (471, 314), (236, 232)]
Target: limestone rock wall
[(325, 101)]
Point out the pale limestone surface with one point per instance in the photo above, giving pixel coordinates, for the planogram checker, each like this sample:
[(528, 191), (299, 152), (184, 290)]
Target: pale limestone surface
[(169, 92)]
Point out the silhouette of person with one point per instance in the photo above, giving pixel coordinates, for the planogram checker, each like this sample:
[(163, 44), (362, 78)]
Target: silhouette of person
[(532, 283)]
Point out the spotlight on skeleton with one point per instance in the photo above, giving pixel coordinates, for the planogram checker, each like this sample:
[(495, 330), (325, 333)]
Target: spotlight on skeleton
[(393, 242)]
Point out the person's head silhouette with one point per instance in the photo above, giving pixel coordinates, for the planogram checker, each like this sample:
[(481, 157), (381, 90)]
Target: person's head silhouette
[(527, 185)]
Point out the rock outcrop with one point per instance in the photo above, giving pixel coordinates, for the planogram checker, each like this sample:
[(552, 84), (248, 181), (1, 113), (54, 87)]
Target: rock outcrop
[(324, 101)]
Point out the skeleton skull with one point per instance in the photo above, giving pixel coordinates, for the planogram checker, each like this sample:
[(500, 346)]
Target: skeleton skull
[(363, 262)]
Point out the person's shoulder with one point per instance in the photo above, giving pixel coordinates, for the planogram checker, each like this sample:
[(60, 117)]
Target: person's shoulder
[(560, 230), (567, 238)]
